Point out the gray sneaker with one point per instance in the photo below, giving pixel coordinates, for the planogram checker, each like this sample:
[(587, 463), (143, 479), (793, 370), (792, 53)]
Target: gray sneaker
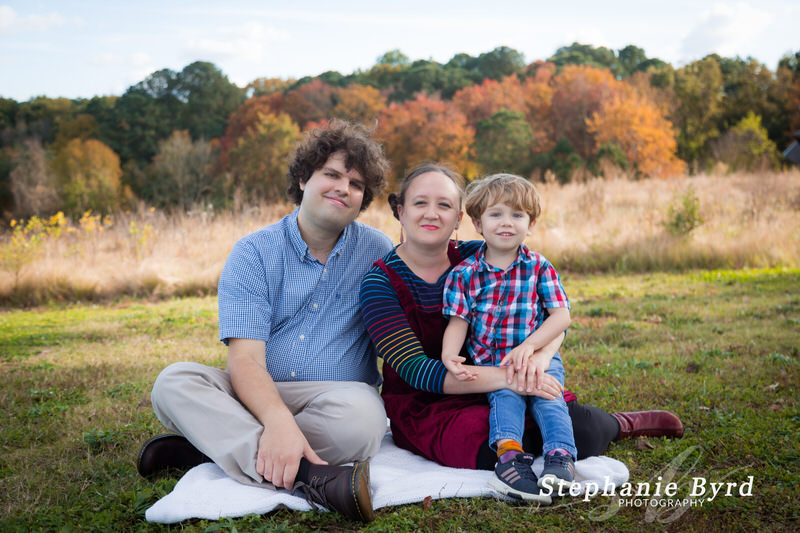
[(558, 473), (517, 480)]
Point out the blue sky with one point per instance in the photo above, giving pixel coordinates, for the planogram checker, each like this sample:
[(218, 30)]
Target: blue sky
[(87, 48)]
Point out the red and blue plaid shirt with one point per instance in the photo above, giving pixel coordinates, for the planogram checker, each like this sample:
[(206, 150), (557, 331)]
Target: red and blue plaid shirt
[(503, 307)]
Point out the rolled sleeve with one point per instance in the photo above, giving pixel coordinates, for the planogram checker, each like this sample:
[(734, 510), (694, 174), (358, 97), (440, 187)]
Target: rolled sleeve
[(549, 288), (245, 309), (455, 300)]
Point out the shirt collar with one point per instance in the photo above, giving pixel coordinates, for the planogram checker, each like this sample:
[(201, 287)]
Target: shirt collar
[(524, 255), (300, 245)]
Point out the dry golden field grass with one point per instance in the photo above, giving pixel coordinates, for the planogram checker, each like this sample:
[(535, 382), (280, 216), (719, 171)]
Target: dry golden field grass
[(742, 220)]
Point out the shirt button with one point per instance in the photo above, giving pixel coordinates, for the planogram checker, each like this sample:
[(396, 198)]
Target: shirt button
[(302, 337), (315, 306), (293, 374)]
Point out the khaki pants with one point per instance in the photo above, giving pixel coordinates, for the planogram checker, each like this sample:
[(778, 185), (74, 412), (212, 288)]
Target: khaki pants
[(342, 421)]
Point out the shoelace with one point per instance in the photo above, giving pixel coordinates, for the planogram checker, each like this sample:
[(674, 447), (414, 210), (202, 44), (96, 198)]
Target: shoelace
[(559, 459), (313, 493), (562, 460), (522, 465)]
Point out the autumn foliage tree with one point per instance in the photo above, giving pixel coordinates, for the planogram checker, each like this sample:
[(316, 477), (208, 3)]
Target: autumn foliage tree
[(261, 86), (424, 129), (358, 103), (311, 102), (32, 184), (257, 162), (182, 172), (246, 117), (627, 119), (578, 93), (480, 102), (87, 176)]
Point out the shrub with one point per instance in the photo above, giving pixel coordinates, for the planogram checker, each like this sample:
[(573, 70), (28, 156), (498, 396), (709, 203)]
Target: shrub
[(683, 214)]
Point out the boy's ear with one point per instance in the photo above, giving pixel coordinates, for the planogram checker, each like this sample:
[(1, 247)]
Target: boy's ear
[(530, 227), (477, 223)]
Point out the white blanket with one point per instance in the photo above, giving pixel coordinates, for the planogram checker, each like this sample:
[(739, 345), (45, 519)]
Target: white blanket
[(397, 477)]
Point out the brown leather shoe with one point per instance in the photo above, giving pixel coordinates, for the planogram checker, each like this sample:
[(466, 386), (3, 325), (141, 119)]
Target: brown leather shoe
[(648, 424), (168, 451), (344, 489)]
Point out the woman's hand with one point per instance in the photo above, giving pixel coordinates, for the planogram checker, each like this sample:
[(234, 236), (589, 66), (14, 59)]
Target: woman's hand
[(532, 381), (531, 378)]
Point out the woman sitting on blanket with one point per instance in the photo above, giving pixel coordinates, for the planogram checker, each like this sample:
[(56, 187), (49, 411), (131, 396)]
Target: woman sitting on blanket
[(432, 413)]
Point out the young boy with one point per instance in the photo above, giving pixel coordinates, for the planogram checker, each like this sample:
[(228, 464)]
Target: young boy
[(515, 304)]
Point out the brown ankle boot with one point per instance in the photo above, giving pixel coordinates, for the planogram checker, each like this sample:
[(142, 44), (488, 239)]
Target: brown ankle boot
[(344, 489), (648, 424)]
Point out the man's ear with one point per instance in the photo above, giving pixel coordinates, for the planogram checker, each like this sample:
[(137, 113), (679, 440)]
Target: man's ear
[(302, 185)]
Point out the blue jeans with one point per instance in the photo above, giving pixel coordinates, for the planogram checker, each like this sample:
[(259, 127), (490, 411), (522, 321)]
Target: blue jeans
[(507, 417)]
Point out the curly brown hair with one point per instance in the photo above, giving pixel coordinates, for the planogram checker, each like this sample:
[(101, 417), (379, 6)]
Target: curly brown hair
[(363, 154)]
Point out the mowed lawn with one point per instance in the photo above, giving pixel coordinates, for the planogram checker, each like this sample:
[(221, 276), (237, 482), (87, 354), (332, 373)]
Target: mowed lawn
[(719, 348)]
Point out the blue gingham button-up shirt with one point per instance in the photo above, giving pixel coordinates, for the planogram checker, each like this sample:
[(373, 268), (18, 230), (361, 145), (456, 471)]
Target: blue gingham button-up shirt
[(306, 312)]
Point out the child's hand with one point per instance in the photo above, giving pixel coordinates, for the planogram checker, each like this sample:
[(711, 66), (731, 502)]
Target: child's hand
[(454, 366), (517, 359), (538, 365)]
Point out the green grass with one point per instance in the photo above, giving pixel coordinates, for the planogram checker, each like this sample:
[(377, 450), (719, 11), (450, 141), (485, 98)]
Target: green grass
[(720, 348)]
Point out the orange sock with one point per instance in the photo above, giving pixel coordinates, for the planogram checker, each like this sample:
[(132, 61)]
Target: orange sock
[(509, 446)]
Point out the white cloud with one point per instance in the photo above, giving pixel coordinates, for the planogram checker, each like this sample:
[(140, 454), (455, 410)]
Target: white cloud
[(105, 59), (141, 59), (726, 29), (110, 59), (123, 70), (12, 22), (244, 43)]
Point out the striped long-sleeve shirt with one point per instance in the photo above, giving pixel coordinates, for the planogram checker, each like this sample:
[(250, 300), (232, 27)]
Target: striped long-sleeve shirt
[(389, 328)]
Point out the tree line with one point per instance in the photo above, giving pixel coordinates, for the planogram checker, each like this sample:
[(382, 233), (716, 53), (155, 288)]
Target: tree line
[(177, 139)]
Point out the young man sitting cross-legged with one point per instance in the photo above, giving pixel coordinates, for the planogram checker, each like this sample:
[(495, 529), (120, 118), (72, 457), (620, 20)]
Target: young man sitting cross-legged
[(300, 392)]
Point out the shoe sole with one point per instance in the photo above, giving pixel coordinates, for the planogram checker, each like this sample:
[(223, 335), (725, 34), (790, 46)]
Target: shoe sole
[(361, 492), (502, 488), (556, 484)]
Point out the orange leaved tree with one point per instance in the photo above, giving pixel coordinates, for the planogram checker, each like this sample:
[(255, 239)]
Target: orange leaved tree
[(424, 129), (627, 119), (358, 103), (480, 102), (578, 93)]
